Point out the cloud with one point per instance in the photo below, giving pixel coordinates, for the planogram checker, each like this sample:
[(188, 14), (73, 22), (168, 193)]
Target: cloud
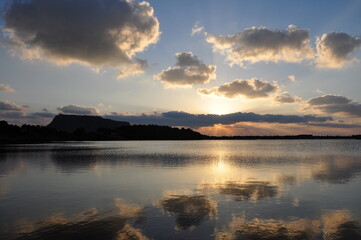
[(335, 104), (78, 110), (197, 29), (258, 44), (43, 114), (286, 98), (292, 78), (282, 129), (12, 115), (329, 99), (6, 88), (139, 67), (175, 118), (9, 106), (334, 125), (250, 88), (91, 32), (16, 114), (189, 70), (334, 50)]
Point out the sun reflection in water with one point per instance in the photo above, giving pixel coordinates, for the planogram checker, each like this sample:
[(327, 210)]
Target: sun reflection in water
[(221, 166)]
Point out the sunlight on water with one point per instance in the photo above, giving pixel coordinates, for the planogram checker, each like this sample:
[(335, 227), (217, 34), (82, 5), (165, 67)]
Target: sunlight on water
[(221, 166)]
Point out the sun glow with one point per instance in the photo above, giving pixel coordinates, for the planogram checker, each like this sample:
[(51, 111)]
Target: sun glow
[(220, 107), (220, 166)]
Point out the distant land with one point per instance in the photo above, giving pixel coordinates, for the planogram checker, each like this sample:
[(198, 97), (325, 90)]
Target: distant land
[(70, 123), (91, 128), (95, 128)]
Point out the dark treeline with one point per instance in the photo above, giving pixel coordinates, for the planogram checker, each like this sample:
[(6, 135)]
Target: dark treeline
[(37, 134), (40, 134)]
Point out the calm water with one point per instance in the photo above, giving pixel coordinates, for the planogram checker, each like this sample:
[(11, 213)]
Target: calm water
[(299, 189)]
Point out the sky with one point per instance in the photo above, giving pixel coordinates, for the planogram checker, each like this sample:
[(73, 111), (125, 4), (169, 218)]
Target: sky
[(219, 67)]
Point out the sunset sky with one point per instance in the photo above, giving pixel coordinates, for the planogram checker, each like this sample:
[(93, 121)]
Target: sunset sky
[(219, 67)]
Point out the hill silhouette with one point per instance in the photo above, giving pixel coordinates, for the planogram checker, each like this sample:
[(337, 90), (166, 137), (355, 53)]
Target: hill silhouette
[(70, 123), (91, 128), (95, 128)]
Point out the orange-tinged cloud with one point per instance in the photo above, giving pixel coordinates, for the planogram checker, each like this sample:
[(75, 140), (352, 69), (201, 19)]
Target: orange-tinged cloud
[(270, 129)]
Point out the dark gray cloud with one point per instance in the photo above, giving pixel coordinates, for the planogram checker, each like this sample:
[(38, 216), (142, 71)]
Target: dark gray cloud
[(285, 98), (43, 114), (335, 104), (188, 71), (78, 110), (19, 118), (6, 88), (12, 115), (334, 125), (11, 111), (261, 44), (329, 100), (16, 114), (250, 88), (175, 118), (9, 106), (335, 49), (92, 32)]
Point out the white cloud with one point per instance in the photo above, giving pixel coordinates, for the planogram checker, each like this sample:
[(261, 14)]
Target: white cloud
[(250, 88), (258, 44), (334, 50), (197, 29), (91, 32), (6, 88), (78, 110), (139, 67), (188, 71), (292, 78)]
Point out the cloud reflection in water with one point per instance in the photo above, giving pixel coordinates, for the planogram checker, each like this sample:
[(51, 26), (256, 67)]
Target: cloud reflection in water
[(90, 225), (251, 190), (335, 225), (189, 210)]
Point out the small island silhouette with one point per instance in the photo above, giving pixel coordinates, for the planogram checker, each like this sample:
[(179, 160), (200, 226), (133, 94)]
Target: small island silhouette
[(95, 128)]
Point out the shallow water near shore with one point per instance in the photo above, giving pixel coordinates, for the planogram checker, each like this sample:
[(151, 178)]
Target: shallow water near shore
[(262, 189)]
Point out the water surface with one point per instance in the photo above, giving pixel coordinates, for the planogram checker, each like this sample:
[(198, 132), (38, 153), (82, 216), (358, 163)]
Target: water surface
[(263, 189)]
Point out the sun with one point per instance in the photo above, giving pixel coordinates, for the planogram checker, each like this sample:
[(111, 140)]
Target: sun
[(219, 107)]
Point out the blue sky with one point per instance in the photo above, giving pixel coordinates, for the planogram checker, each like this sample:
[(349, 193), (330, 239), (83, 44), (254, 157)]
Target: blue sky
[(53, 82)]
